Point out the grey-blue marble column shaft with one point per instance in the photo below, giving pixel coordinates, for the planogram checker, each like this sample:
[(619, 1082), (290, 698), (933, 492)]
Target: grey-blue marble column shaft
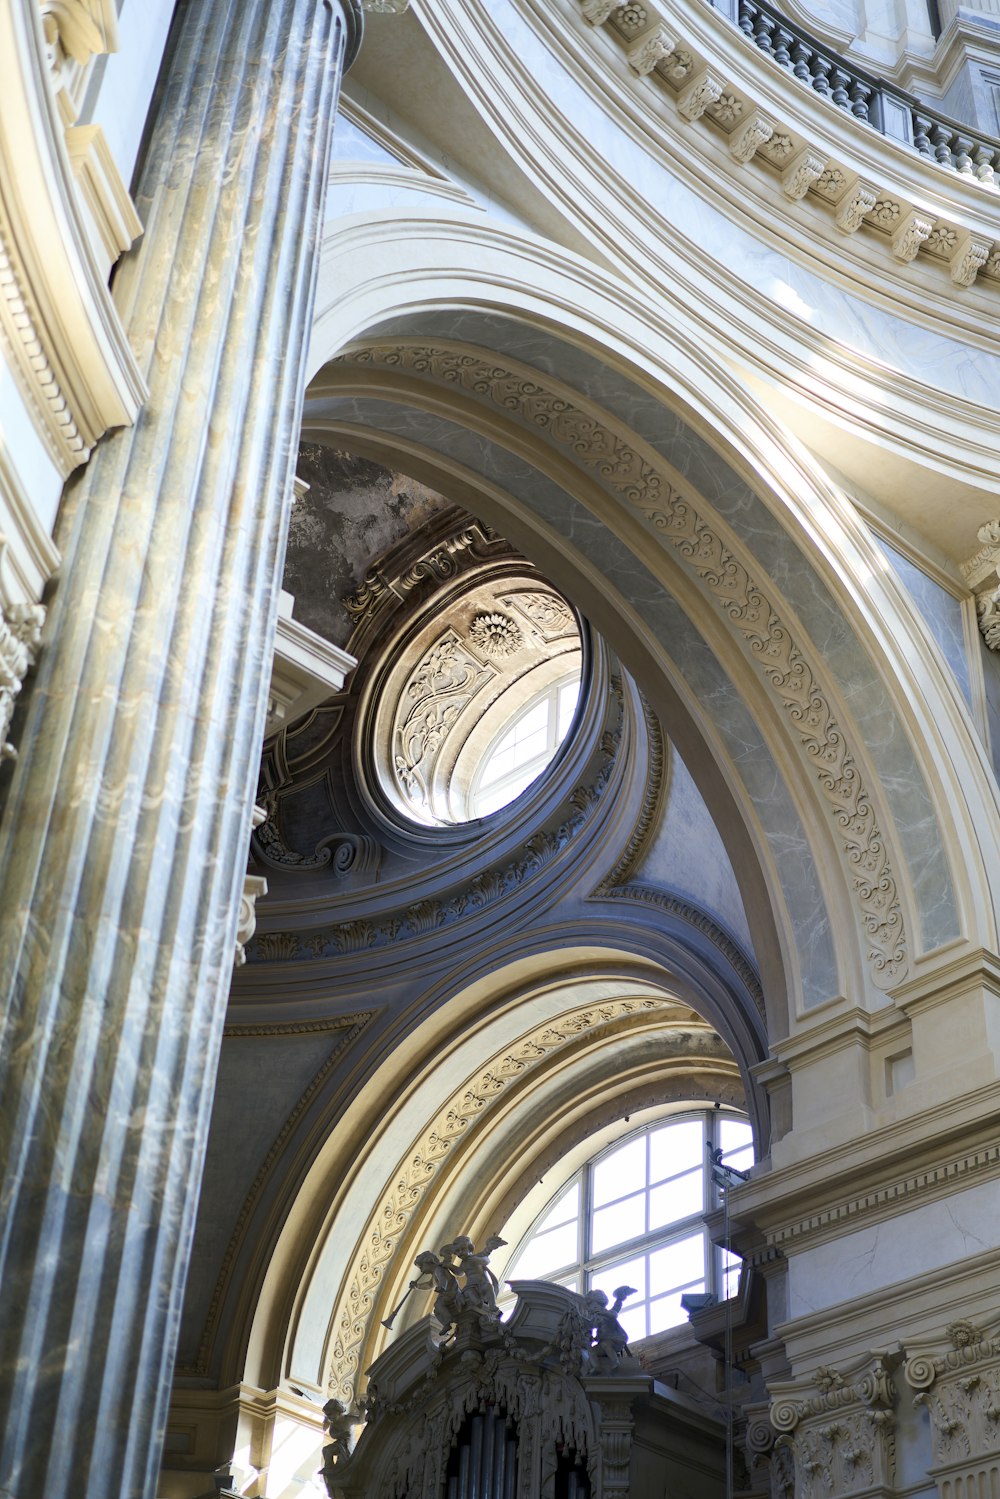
[(123, 842)]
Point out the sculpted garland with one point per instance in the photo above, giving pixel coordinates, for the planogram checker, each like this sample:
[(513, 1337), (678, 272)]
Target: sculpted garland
[(741, 597)]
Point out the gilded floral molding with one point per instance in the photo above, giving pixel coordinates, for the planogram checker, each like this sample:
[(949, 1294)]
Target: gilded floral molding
[(394, 1212), (741, 597)]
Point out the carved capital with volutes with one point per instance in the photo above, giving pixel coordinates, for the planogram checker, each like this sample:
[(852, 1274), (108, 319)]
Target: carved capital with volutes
[(957, 1381), (840, 1428), (982, 574)]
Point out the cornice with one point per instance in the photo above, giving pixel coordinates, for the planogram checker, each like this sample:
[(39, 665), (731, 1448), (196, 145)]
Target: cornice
[(892, 1170), (855, 178)]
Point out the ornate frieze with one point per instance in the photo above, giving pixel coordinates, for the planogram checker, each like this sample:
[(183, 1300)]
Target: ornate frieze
[(742, 597), (841, 1430), (959, 1387)]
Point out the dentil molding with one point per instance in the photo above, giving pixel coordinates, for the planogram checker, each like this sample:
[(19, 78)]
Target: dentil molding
[(768, 132)]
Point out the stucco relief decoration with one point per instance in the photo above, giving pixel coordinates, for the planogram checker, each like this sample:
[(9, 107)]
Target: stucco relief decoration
[(441, 685), (741, 597), (548, 613), (20, 638), (394, 1213), (840, 1429), (960, 1389), (495, 635), (982, 574)]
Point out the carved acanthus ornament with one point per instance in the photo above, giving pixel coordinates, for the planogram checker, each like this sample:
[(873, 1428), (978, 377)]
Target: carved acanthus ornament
[(742, 598), (254, 886), (841, 1430), (982, 574), (20, 639), (960, 1388)]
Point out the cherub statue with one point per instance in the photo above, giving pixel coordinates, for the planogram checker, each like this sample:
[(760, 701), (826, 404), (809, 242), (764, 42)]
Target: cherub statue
[(340, 1425), (462, 1279), (610, 1344), (479, 1292)]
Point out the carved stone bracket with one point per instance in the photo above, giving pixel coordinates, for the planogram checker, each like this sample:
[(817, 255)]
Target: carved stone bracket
[(840, 1430), (982, 574), (254, 886), (960, 1389)]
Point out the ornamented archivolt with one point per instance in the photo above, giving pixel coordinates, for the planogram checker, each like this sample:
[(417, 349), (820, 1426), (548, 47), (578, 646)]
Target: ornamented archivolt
[(741, 597), (393, 1214)]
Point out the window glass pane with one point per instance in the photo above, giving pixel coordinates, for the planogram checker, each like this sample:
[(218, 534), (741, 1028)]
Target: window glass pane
[(547, 1252), (734, 1134), (667, 1311), (569, 693), (677, 1264), (630, 1272), (617, 1223), (565, 1207), (621, 1172), (742, 1160), (677, 1199), (675, 1148), (633, 1319), (731, 1267)]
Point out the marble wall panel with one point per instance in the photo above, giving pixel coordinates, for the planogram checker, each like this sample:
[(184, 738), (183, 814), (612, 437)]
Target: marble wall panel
[(688, 856), (940, 610), (641, 590), (833, 639)]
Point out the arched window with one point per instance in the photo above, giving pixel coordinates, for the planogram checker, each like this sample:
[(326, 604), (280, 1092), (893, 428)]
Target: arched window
[(524, 746), (635, 1215)]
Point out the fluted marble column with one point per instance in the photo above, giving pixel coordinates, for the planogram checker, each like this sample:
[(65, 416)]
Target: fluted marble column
[(123, 842)]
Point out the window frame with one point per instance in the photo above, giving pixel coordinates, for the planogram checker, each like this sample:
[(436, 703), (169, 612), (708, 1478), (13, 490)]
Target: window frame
[(717, 1273)]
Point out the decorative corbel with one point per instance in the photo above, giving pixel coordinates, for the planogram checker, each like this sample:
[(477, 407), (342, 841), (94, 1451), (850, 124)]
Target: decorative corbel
[(982, 574)]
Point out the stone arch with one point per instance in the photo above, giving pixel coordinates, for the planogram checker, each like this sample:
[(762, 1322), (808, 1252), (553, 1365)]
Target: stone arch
[(811, 524), (504, 1072)]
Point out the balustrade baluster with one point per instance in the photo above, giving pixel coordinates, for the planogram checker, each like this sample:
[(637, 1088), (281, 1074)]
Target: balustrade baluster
[(861, 96), (963, 157), (941, 141), (921, 140), (985, 160), (782, 41), (820, 69), (762, 29), (800, 61), (839, 80), (746, 18)]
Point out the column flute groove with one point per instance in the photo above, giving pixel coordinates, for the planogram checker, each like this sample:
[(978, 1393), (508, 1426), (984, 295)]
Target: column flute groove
[(123, 843)]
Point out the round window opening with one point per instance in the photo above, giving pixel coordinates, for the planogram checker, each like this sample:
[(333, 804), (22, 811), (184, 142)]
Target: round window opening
[(479, 702)]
